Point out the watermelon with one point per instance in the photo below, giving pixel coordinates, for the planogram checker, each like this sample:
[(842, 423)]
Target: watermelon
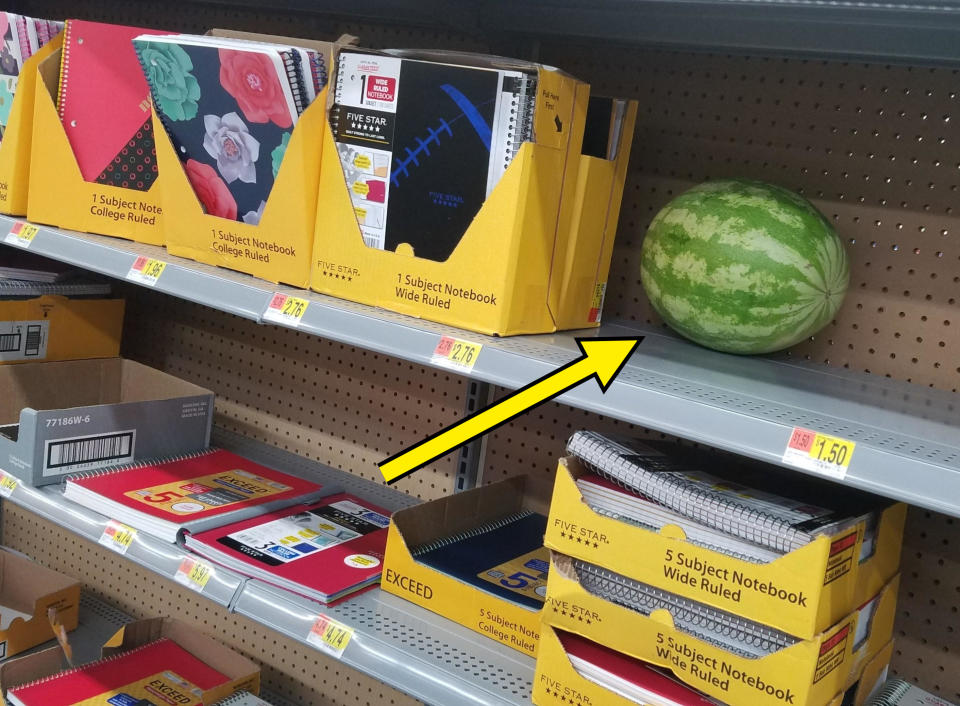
[(743, 267)]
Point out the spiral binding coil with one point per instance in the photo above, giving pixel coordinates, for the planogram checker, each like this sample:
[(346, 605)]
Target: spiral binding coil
[(64, 67), (120, 468), (520, 129), (606, 457), (240, 697), (292, 65), (717, 627), (475, 532), (337, 96), (891, 693), (85, 667), (26, 288)]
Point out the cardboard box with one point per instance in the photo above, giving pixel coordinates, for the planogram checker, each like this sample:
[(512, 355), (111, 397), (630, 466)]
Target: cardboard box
[(279, 248), (15, 150), (242, 673), (809, 673), (60, 196), (872, 677), (62, 418), (802, 593), (520, 267), (27, 592), (51, 328), (510, 623)]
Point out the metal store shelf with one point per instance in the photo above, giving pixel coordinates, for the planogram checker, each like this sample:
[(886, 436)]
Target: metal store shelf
[(427, 656), (907, 436)]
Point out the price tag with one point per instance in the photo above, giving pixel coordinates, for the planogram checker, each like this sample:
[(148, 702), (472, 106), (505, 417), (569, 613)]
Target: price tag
[(117, 536), (193, 573), (7, 485), (329, 635), (456, 353), (286, 310), (21, 234), (820, 453), (146, 271)]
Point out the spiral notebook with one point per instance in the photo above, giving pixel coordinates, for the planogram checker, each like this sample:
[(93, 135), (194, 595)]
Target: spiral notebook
[(631, 678), (732, 633), (897, 692), (422, 144), (24, 289), (666, 475), (243, 698), (146, 675), (104, 105), (505, 557), (325, 550), (229, 107), (191, 493)]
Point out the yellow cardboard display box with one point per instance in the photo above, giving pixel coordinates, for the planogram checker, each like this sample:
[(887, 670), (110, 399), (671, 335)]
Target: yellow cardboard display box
[(278, 248), (27, 592), (18, 137), (802, 593), (556, 681), (60, 196), (510, 623), (53, 328), (536, 256)]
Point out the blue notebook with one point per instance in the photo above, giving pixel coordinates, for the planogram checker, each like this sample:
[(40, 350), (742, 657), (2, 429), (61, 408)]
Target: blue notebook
[(505, 557)]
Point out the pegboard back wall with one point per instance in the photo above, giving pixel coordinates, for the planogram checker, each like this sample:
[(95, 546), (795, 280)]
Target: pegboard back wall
[(304, 676)]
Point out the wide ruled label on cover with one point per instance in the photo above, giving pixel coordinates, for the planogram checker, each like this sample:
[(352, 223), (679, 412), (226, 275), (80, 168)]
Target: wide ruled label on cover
[(286, 310), (526, 575), (21, 234), (304, 533), (7, 485), (117, 536), (193, 573), (820, 453), (456, 353), (146, 271), (164, 688), (329, 635), (207, 492)]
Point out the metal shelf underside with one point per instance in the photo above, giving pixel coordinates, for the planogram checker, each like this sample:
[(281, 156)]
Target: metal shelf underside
[(907, 436), (428, 657)]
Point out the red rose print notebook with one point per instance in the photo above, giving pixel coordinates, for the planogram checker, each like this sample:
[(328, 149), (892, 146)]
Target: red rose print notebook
[(104, 105), (159, 672), (229, 107), (324, 551), (192, 493)]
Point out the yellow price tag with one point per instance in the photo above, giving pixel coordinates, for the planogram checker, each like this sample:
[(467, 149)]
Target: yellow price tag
[(117, 536), (146, 271), (456, 353), (286, 310), (329, 635), (22, 234), (820, 453), (7, 485), (193, 573)]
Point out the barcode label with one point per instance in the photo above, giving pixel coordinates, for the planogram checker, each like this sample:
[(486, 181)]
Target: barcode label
[(23, 340), (84, 453), (372, 241)]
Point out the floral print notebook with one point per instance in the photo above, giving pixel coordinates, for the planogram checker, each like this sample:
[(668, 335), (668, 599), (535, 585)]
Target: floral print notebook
[(229, 108)]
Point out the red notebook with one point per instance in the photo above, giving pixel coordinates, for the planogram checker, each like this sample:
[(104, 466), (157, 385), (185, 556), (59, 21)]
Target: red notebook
[(192, 493), (160, 672), (104, 105), (631, 678), (324, 551)]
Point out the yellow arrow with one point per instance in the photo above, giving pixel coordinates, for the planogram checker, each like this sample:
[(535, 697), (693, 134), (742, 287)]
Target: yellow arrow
[(602, 359)]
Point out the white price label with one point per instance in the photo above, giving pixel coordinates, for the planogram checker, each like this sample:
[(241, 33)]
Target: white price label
[(193, 573), (329, 635), (21, 234), (117, 536), (286, 310), (456, 353), (7, 485), (812, 451), (146, 271)]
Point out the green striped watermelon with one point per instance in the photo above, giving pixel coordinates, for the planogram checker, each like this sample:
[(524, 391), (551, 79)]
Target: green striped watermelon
[(743, 267)]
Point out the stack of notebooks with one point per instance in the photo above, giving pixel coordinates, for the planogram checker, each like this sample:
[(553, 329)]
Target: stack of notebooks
[(229, 107), (24, 274), (20, 38), (151, 674)]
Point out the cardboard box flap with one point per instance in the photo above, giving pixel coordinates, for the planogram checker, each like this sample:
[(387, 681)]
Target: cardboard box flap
[(23, 585), (39, 665)]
